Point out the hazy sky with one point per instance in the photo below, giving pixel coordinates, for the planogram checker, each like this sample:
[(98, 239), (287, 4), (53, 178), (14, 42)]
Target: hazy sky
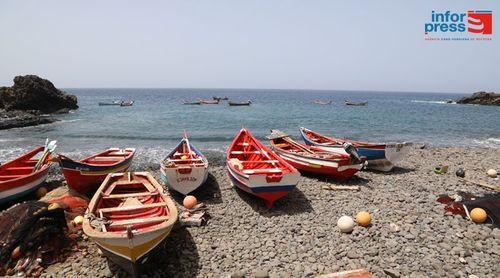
[(337, 45)]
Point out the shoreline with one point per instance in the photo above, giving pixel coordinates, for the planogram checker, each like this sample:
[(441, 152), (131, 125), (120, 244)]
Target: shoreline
[(299, 237)]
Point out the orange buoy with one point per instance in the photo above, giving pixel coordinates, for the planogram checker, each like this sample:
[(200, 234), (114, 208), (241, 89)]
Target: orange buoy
[(16, 253), (364, 218), (478, 215), (189, 202)]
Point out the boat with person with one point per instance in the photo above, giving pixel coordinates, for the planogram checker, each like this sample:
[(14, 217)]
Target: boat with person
[(185, 168), (128, 217), (127, 103), (25, 174), (355, 103), (380, 156), (240, 103), (116, 103), (220, 98), (314, 160), (255, 169), (322, 102), (87, 174), (208, 101)]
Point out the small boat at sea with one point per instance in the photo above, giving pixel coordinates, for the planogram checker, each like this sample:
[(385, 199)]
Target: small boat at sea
[(128, 217), (322, 102), (186, 102), (25, 174), (380, 156), (185, 168), (355, 103), (207, 101), (255, 169), (220, 98), (127, 103), (116, 103), (310, 159), (240, 103), (87, 174)]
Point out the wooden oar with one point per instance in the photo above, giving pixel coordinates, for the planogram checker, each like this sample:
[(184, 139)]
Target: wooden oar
[(49, 148)]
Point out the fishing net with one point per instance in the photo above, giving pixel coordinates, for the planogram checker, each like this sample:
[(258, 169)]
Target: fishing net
[(29, 227), (462, 203)]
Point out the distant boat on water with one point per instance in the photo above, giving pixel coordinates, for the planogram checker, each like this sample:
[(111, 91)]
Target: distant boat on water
[(240, 103), (220, 98), (186, 102), (354, 103), (116, 102), (322, 102), (127, 103), (207, 101)]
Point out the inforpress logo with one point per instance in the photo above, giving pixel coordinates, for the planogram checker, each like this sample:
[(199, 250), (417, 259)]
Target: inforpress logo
[(448, 25)]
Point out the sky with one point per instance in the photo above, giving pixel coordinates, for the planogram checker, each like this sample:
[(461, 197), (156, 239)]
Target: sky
[(325, 45)]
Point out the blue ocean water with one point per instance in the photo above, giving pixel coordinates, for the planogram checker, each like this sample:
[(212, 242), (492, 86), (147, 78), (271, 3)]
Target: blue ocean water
[(158, 118)]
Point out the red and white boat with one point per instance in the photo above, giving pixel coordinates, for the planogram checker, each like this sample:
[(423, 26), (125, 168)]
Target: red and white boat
[(338, 166), (87, 174), (185, 168), (24, 174), (257, 170)]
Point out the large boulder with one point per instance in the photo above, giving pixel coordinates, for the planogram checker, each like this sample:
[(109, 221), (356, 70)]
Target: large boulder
[(35, 94), (483, 98)]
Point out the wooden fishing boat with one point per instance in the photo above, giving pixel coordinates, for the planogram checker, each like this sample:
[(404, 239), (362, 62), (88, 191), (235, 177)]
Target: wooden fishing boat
[(208, 101), (185, 168), (354, 103), (127, 103), (240, 103), (128, 217), (220, 98), (322, 102), (191, 102), (25, 174), (380, 156), (87, 174), (311, 159), (116, 103), (255, 169)]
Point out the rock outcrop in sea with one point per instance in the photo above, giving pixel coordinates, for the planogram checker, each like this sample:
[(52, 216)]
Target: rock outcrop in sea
[(482, 98), (29, 99)]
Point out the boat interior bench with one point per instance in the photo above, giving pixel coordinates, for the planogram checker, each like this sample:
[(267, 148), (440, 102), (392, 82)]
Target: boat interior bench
[(134, 207), (138, 221), (130, 195)]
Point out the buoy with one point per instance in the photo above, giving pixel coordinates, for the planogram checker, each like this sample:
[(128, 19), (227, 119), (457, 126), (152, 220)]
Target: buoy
[(78, 220), (40, 192), (478, 215), (16, 253), (460, 173), (492, 173), (189, 202), (54, 206), (345, 224), (364, 218)]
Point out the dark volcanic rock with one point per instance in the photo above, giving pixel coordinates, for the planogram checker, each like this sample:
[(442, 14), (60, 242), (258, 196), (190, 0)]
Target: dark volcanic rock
[(481, 98), (31, 92)]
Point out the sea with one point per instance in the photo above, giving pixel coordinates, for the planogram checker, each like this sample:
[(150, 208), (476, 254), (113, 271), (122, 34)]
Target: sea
[(158, 119)]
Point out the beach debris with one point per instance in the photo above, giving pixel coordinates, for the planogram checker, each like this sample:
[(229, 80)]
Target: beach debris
[(492, 173), (463, 203), (441, 169), (460, 173), (364, 219), (393, 273), (394, 227), (40, 192), (78, 220), (30, 235), (345, 224), (478, 215), (479, 183), (357, 273), (189, 202), (196, 216), (341, 187)]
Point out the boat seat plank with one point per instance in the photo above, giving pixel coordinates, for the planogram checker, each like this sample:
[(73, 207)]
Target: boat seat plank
[(138, 221), (181, 160), (262, 171), (260, 161), (122, 196), (106, 158), (242, 152), (135, 207)]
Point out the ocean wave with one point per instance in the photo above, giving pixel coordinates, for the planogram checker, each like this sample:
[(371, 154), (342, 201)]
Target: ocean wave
[(489, 142), (152, 138)]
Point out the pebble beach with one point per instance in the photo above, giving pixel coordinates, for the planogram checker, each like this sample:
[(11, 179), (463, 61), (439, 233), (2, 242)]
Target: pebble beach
[(410, 235)]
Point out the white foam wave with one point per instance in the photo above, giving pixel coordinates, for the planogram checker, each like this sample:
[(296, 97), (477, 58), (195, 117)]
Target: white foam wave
[(433, 101), (489, 142)]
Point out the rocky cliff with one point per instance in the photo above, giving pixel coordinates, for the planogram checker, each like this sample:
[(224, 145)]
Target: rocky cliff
[(482, 98)]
